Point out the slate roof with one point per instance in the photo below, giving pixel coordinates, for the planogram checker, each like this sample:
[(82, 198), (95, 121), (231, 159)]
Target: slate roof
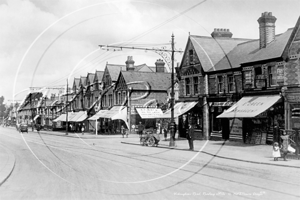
[(99, 75), (114, 70), (76, 82), (91, 77), (273, 50), (211, 50), (157, 81), (83, 80), (249, 52)]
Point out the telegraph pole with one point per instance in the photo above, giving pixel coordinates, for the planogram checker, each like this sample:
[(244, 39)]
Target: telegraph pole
[(67, 109), (161, 52), (172, 123)]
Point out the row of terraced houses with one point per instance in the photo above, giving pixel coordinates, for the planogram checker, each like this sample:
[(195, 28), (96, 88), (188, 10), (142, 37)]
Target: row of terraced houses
[(229, 88)]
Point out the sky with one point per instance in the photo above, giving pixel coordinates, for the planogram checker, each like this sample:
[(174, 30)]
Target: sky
[(46, 43)]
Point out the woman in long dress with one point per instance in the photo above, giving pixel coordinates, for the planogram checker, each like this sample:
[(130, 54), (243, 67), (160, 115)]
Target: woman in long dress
[(285, 144)]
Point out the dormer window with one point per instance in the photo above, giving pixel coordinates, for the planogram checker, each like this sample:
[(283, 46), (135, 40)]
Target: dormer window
[(191, 56)]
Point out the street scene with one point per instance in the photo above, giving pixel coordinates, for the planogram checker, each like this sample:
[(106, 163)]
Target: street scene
[(54, 166), (149, 99)]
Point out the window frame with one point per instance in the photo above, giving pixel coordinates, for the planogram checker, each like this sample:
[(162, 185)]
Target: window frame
[(220, 84), (187, 86), (196, 85), (231, 83)]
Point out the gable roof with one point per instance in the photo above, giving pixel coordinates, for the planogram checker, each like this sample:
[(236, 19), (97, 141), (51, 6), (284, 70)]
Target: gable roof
[(114, 70), (99, 75), (76, 82), (83, 81), (211, 50), (90, 77), (157, 81)]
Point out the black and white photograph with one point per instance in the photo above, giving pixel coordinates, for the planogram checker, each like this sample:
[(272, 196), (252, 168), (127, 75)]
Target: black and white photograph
[(149, 99)]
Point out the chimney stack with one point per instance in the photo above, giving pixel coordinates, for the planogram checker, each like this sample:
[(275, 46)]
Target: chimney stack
[(266, 29), (221, 32), (160, 65), (129, 64)]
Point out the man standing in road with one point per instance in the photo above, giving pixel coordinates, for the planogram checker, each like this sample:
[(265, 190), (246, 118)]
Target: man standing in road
[(190, 136), (141, 128)]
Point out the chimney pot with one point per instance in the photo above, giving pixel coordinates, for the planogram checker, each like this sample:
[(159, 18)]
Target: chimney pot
[(221, 32), (266, 29), (129, 64), (160, 65)]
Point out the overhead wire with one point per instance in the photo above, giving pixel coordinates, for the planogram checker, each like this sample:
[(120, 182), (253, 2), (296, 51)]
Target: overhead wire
[(137, 37)]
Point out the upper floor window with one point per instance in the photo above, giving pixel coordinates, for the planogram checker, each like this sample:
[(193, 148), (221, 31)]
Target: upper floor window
[(187, 86), (196, 83), (124, 96), (230, 83), (276, 75), (191, 56), (110, 100), (260, 80), (119, 97), (220, 84), (116, 98), (104, 101), (107, 80)]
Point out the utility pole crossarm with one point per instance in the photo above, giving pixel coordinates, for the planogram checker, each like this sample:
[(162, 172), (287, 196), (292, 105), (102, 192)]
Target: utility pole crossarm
[(139, 48)]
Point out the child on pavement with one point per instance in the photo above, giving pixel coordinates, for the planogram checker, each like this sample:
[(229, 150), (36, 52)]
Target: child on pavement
[(276, 151)]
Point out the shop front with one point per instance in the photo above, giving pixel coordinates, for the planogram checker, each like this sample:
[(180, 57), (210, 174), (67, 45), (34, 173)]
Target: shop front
[(255, 118), (188, 112), (216, 124), (110, 121)]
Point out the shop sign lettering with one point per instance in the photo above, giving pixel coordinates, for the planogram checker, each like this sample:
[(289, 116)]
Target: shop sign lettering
[(237, 126)]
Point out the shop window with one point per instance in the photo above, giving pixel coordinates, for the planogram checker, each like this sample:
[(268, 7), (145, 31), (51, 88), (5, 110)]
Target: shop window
[(220, 84), (187, 86), (216, 122), (230, 83), (196, 83)]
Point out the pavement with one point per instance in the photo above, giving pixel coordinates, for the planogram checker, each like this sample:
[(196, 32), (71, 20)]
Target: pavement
[(232, 150)]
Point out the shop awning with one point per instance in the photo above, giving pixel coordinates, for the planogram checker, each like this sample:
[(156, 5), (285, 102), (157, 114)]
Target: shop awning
[(149, 113), (179, 109), (79, 117), (121, 114), (37, 116), (97, 115), (249, 107), (112, 112), (62, 117)]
